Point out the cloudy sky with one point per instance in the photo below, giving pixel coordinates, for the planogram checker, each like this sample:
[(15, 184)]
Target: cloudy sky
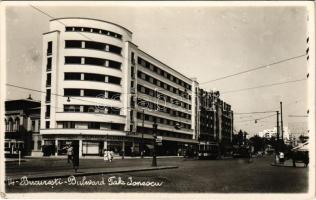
[(206, 42)]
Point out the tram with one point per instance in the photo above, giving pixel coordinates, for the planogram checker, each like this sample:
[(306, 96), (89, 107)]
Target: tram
[(209, 151)]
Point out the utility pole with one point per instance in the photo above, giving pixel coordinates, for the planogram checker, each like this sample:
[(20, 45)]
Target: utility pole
[(142, 150), (154, 162), (282, 130), (278, 133)]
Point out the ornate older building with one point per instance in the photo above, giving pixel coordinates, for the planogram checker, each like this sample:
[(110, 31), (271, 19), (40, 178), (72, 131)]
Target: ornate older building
[(22, 121)]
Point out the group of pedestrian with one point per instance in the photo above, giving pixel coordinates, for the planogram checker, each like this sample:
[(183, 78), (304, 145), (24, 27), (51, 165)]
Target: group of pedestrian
[(108, 155)]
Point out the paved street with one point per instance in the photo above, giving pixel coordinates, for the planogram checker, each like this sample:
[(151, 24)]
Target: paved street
[(222, 176)]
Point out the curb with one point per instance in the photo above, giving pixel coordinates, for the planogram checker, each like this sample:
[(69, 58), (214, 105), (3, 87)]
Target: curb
[(96, 173)]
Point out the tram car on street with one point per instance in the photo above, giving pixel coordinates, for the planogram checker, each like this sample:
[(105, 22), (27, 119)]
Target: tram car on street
[(209, 151)]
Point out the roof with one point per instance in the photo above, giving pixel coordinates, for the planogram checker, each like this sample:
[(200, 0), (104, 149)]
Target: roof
[(21, 104), (93, 20)]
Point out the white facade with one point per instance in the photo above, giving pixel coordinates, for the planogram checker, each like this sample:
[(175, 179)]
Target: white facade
[(268, 133), (90, 75)]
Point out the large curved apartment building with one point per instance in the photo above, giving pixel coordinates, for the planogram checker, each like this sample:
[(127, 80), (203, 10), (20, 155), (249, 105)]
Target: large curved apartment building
[(106, 93)]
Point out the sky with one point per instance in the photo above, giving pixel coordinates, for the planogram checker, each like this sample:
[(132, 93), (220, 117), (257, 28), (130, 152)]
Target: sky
[(205, 42)]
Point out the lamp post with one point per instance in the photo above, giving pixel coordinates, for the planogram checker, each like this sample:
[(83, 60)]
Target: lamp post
[(154, 162), (142, 143)]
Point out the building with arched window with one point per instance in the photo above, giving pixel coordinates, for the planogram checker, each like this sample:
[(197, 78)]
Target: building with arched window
[(22, 120)]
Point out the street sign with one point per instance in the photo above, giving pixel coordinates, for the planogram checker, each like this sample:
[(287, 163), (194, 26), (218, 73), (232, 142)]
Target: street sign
[(159, 139)]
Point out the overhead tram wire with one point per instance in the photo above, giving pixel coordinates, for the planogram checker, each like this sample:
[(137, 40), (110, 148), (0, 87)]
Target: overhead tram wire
[(254, 69), (258, 112), (30, 89), (257, 118), (263, 86)]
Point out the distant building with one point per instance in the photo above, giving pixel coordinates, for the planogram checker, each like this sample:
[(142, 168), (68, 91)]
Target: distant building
[(22, 122), (216, 119), (268, 133)]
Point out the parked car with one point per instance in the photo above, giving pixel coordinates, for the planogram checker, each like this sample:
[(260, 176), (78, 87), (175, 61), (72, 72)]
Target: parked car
[(300, 155)]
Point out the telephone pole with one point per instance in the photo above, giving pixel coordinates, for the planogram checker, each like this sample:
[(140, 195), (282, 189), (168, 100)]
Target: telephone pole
[(278, 133), (282, 130)]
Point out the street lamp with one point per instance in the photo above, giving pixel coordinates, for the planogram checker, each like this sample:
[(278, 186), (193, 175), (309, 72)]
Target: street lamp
[(154, 162), (142, 150)]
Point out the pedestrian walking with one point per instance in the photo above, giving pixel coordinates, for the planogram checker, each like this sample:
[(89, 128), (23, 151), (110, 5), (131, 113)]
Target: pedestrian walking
[(69, 153), (281, 158), (105, 155), (111, 155)]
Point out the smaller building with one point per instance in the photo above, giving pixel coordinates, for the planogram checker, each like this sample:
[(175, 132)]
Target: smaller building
[(22, 122)]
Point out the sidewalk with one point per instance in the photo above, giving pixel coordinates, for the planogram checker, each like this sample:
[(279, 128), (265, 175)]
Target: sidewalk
[(83, 172), (36, 169), (288, 163), (99, 157)]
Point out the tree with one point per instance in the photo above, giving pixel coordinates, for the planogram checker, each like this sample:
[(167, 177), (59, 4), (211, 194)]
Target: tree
[(258, 143)]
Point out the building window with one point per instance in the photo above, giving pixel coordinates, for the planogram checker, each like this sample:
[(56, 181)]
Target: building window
[(95, 45), (47, 124), (69, 124), (47, 114), (71, 92), (71, 108), (72, 60), (73, 44), (49, 48), (119, 127), (49, 80), (114, 111), (93, 93), (94, 77), (49, 64), (72, 76), (33, 126), (6, 124), (39, 145), (93, 125), (114, 95), (17, 124), (48, 95), (114, 80), (10, 124)]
